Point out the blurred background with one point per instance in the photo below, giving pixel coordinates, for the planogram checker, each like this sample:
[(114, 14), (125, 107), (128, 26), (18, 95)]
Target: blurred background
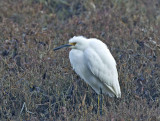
[(37, 83)]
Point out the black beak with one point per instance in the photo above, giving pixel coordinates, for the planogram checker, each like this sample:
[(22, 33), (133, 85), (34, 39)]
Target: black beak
[(57, 48)]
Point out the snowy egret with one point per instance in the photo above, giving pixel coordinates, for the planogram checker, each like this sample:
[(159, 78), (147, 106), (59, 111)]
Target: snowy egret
[(93, 62)]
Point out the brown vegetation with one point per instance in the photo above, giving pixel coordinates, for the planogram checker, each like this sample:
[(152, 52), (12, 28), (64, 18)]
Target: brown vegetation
[(38, 84)]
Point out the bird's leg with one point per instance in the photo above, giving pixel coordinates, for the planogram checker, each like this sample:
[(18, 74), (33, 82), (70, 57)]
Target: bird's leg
[(99, 110), (101, 101), (98, 105), (83, 100)]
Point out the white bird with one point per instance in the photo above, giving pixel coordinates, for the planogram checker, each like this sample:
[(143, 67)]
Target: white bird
[(93, 62)]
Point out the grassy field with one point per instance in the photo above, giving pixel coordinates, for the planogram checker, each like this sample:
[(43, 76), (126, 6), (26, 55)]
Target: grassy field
[(38, 84)]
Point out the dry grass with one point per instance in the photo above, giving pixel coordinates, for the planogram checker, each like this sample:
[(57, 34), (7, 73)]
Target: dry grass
[(31, 73)]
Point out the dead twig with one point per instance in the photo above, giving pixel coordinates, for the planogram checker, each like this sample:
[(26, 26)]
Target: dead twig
[(24, 106)]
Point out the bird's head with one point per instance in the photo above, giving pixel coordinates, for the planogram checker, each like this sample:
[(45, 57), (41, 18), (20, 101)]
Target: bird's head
[(77, 42)]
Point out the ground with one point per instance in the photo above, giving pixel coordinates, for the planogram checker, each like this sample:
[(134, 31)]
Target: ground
[(37, 83)]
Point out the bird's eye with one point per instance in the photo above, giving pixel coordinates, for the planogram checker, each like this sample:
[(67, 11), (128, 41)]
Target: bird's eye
[(73, 44)]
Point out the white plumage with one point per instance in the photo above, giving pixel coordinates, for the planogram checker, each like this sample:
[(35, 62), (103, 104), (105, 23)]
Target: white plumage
[(93, 62)]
